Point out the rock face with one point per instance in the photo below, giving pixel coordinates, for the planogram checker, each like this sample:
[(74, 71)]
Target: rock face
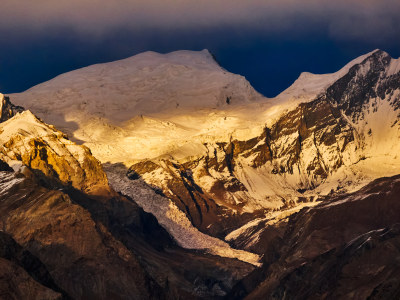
[(345, 248), (337, 274), (83, 257), (211, 210), (108, 250), (50, 155), (342, 126)]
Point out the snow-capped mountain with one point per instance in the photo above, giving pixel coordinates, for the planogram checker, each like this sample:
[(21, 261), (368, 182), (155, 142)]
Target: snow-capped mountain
[(223, 169), (155, 104), (145, 84)]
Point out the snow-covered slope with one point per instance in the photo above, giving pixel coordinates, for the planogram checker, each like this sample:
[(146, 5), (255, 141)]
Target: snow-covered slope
[(144, 84), (103, 104)]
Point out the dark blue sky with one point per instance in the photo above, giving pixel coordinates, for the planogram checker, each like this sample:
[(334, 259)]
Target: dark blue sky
[(270, 59)]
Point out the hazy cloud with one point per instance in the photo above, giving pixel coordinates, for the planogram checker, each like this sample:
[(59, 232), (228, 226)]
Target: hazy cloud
[(354, 19)]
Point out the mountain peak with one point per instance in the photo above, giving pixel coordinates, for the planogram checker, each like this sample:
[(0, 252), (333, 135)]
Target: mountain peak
[(309, 85), (180, 57), (379, 52), (376, 57), (7, 109)]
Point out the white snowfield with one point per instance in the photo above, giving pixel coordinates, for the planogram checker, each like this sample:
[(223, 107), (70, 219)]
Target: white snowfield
[(142, 106), (154, 106)]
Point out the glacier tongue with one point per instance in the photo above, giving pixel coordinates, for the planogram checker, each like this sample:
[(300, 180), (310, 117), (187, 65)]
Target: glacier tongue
[(173, 219)]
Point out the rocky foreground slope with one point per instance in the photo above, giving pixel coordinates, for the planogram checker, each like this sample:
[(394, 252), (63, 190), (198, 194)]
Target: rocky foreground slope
[(22, 275)]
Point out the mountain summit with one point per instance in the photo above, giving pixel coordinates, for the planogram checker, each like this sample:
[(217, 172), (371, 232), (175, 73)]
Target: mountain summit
[(144, 84)]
